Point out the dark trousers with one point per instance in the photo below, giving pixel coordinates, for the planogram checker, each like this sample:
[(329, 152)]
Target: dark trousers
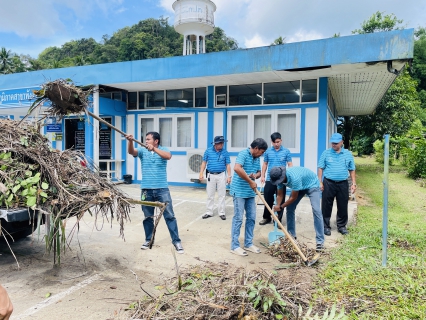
[(338, 190), (268, 193)]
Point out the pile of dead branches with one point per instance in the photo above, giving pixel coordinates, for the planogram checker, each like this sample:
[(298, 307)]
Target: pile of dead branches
[(58, 184), (284, 251), (223, 291)]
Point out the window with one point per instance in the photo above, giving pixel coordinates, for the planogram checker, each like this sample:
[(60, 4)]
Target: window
[(282, 92), (244, 95), (182, 98), (200, 97), (245, 126), (309, 90), (132, 100), (221, 94), (176, 130), (151, 99)]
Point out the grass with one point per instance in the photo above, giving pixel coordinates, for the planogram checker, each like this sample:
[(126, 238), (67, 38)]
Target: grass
[(354, 277)]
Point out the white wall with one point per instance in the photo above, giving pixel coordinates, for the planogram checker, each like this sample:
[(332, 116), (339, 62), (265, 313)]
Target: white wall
[(130, 161), (311, 138), (202, 130)]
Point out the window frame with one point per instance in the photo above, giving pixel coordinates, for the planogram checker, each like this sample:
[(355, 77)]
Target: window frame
[(174, 117), (274, 126)]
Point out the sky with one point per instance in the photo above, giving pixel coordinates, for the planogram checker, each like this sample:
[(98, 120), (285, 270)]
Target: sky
[(30, 26)]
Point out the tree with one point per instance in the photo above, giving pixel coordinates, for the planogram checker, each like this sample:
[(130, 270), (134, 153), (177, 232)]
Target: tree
[(277, 41), (418, 68), (6, 61), (378, 23)]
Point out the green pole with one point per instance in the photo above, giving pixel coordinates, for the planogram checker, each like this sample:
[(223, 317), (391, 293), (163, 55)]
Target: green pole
[(385, 203)]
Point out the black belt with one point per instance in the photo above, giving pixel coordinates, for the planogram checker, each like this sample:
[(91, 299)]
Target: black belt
[(216, 172), (334, 181)]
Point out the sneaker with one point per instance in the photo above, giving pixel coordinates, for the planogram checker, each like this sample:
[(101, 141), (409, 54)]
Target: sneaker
[(319, 248), (252, 248), (264, 221), (343, 230), (145, 246), (178, 247), (327, 231), (223, 217), (240, 252)]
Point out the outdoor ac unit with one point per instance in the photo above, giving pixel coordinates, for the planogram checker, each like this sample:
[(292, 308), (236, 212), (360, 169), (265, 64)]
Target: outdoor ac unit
[(194, 159)]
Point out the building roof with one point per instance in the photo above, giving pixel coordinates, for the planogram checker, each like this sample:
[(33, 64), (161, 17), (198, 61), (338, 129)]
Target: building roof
[(358, 68)]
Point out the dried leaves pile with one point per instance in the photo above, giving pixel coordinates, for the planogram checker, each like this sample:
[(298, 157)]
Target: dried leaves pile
[(224, 291), (66, 183), (285, 252)]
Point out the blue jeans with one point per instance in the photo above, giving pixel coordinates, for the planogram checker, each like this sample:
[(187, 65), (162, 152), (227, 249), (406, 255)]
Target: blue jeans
[(161, 195), (314, 195), (249, 205)]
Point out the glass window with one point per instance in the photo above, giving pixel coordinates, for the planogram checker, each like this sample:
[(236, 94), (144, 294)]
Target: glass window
[(282, 92), (147, 125), (287, 128), (220, 95), (239, 127), (247, 94), (106, 95), (309, 90), (200, 97), (151, 99), (116, 96), (221, 90), (182, 98), (166, 131), (184, 131), (262, 127), (132, 101)]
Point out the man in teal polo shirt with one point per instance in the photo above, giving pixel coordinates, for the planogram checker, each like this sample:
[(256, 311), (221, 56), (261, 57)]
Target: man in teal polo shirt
[(154, 185), (247, 169), (335, 165), (301, 181)]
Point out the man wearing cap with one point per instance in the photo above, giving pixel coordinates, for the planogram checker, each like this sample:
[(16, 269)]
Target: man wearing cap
[(247, 169), (302, 181), (217, 160), (333, 167), (275, 156)]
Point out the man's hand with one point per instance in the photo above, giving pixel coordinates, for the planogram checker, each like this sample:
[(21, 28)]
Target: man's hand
[(150, 147), (321, 186), (253, 185), (129, 137), (353, 188), (277, 208), (201, 176), (262, 180), (6, 307), (228, 180)]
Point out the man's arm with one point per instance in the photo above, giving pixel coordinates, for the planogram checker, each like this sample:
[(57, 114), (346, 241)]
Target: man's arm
[(353, 186), (290, 164), (238, 169), (280, 195), (293, 197), (228, 170), (263, 175), (203, 167), (6, 307), (130, 145), (320, 170)]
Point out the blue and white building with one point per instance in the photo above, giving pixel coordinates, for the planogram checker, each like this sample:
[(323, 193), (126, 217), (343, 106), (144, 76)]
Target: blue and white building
[(298, 89)]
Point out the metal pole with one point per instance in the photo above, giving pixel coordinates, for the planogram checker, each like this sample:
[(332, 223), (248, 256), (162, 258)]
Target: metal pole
[(385, 202)]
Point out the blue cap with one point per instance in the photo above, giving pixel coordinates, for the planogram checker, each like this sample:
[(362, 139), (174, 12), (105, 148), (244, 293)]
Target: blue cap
[(336, 138), (219, 139)]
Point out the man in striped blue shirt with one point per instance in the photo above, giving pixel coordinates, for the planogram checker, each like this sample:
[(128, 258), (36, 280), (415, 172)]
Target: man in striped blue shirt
[(247, 169), (217, 160), (335, 165), (154, 186), (302, 181), (275, 156)]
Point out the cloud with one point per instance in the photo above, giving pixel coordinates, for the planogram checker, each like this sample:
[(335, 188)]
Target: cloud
[(255, 41)]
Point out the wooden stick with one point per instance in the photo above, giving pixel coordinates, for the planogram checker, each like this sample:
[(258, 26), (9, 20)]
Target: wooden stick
[(112, 127), (288, 235)]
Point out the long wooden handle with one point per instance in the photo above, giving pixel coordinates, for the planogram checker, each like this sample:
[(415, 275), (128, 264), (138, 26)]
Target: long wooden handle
[(112, 127), (288, 235)]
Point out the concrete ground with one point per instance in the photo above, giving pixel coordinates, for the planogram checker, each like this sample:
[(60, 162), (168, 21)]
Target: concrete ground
[(101, 273)]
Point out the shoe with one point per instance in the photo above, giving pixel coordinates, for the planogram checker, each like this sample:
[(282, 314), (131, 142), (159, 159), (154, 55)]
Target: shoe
[(178, 247), (206, 216), (145, 246), (223, 217), (319, 248), (343, 230), (264, 221), (240, 252), (252, 248), (327, 231)]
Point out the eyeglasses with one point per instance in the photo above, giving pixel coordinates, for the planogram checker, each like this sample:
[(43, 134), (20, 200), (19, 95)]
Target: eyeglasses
[(335, 143)]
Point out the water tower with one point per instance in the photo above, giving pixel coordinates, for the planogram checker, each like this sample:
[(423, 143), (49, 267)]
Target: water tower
[(194, 19)]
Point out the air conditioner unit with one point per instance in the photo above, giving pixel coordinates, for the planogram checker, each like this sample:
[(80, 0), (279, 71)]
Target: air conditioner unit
[(194, 159), (220, 100)]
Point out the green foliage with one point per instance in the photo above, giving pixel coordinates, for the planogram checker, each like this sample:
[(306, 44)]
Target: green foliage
[(379, 151), (355, 277), (414, 151), (6, 61), (378, 23), (264, 296), (279, 40)]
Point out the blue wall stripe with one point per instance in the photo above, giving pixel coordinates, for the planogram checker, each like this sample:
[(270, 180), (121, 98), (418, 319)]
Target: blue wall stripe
[(322, 117)]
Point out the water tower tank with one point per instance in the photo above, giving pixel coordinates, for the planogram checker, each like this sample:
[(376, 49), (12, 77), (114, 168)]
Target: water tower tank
[(194, 19)]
